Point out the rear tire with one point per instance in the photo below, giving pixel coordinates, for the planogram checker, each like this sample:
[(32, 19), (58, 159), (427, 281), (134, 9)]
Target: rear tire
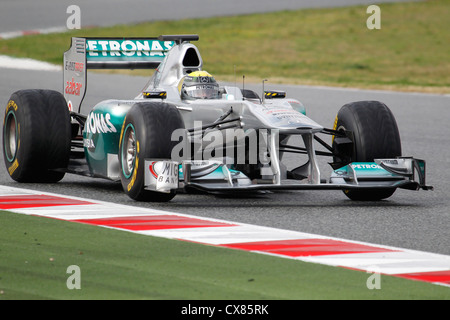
[(36, 136), (375, 134), (146, 134)]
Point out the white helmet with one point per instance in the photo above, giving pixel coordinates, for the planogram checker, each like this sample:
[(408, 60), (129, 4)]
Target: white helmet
[(199, 85)]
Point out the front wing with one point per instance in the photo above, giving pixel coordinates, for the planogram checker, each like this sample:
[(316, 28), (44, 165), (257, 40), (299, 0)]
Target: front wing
[(216, 177)]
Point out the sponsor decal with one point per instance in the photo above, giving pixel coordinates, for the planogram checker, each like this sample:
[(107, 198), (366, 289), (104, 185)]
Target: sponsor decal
[(168, 169), (12, 104), (73, 87), (151, 167), (74, 66), (284, 115), (99, 123), (390, 161), (88, 143), (133, 178), (334, 128), (366, 166), (127, 48), (13, 167), (162, 175)]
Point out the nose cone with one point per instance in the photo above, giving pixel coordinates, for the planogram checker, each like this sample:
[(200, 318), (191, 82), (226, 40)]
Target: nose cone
[(285, 118)]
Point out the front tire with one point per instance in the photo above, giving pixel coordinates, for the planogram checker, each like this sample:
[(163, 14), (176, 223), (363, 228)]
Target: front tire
[(36, 136), (146, 134), (375, 134)]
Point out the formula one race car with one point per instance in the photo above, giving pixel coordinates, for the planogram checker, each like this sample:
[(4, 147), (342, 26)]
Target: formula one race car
[(184, 132)]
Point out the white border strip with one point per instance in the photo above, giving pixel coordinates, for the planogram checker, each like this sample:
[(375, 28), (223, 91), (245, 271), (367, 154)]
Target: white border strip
[(21, 33), (27, 64)]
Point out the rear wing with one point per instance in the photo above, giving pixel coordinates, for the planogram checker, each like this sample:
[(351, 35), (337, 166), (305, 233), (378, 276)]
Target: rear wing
[(111, 53)]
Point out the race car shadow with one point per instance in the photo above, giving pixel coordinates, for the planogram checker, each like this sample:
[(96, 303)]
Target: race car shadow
[(287, 200)]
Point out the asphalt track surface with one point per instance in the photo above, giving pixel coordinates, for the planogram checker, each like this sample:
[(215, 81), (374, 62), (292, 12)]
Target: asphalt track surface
[(417, 220), (413, 220), (18, 15)]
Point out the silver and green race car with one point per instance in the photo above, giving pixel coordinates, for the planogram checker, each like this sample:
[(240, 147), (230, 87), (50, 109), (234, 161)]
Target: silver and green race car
[(183, 132)]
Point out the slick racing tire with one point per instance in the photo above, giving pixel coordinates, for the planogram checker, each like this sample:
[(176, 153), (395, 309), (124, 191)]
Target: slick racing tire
[(375, 135), (146, 134), (36, 136)]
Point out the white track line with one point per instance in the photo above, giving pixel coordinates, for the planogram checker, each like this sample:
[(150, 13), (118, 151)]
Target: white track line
[(26, 64), (21, 33)]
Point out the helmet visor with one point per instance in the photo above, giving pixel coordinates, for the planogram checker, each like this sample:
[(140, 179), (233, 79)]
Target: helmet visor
[(203, 91)]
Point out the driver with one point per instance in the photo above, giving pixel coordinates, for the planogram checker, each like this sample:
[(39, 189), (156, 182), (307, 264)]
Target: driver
[(199, 85)]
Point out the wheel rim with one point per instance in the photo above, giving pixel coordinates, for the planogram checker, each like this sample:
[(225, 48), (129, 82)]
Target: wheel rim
[(10, 136), (128, 151)]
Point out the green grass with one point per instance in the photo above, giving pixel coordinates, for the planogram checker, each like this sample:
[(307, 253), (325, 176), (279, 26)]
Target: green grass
[(35, 253), (315, 46)]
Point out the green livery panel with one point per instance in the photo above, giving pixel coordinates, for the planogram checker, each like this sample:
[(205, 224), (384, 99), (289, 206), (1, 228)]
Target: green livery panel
[(101, 136)]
